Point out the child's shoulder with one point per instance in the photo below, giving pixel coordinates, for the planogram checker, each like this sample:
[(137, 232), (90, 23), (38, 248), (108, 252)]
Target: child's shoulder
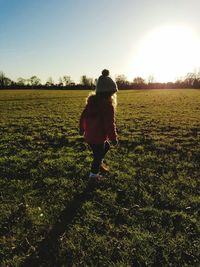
[(99, 100), (91, 99)]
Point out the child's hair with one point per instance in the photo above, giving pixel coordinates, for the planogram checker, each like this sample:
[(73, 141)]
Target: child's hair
[(97, 96)]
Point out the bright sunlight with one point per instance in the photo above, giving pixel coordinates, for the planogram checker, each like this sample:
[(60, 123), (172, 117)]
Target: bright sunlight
[(166, 53)]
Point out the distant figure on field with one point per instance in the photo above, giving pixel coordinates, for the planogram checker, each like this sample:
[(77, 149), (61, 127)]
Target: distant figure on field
[(97, 122)]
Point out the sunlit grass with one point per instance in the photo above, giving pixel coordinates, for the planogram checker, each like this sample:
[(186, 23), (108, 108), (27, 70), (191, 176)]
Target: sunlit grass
[(145, 214)]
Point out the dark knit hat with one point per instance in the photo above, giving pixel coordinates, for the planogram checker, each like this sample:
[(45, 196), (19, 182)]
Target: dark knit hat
[(105, 72), (105, 84)]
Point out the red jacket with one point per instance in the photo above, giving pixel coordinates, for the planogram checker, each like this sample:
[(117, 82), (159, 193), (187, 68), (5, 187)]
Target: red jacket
[(98, 121)]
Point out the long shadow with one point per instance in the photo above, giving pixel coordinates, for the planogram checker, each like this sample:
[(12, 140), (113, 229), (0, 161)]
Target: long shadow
[(14, 218), (46, 252)]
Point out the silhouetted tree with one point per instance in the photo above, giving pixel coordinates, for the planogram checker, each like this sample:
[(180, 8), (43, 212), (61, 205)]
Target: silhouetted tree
[(67, 80), (121, 79), (34, 81), (2, 79), (21, 81), (85, 81), (150, 79), (49, 82), (192, 79), (5, 81), (138, 80), (60, 81)]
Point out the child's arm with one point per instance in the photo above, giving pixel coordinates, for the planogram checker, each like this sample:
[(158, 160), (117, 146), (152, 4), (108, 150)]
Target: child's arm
[(82, 122), (109, 123)]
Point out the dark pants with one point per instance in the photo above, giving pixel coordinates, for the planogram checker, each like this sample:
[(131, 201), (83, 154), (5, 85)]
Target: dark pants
[(99, 152)]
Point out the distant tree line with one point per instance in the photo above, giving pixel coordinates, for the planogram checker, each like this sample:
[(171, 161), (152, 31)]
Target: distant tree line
[(191, 80), (34, 82)]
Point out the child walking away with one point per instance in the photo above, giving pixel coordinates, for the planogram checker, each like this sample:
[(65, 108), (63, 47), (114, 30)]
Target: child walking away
[(97, 122)]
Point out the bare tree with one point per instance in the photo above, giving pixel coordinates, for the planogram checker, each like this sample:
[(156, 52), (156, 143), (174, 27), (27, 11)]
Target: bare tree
[(138, 80), (86, 81), (67, 80), (121, 78), (121, 81), (150, 79), (21, 81), (50, 81), (60, 81), (35, 81), (2, 79)]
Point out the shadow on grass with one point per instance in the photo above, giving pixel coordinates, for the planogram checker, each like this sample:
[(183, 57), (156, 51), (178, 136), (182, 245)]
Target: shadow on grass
[(46, 254)]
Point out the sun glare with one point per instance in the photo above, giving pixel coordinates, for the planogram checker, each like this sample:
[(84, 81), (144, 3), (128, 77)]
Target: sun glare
[(166, 53)]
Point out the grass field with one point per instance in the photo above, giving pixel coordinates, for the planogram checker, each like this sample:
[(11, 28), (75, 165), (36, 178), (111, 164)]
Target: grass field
[(145, 214)]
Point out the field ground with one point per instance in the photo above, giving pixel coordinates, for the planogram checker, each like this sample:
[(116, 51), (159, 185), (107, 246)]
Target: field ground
[(145, 214)]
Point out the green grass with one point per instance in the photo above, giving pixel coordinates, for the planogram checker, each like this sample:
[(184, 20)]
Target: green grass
[(145, 214)]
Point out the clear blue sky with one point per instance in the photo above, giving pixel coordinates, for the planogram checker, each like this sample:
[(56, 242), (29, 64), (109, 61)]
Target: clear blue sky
[(76, 37)]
